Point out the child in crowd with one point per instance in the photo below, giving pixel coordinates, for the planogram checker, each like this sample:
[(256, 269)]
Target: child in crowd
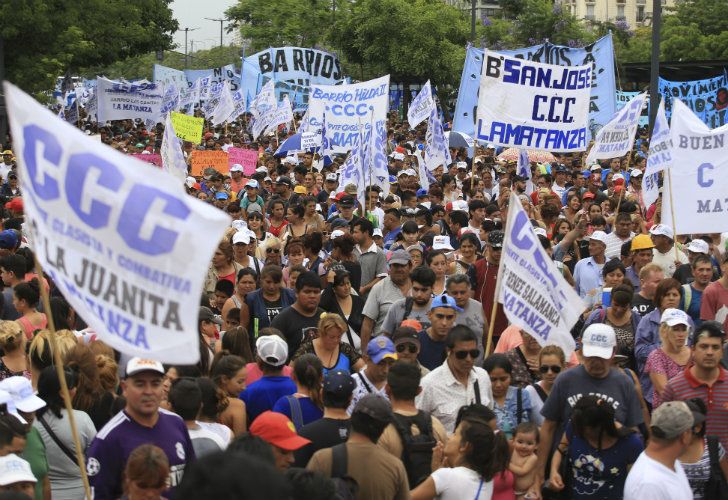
[(523, 459)]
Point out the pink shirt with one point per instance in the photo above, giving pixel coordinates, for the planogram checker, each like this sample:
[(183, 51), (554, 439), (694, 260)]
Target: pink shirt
[(511, 338), (659, 362)]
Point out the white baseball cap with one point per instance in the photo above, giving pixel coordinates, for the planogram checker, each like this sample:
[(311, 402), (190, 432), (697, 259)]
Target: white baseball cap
[(398, 156), (239, 225), (378, 232), (242, 236), (410, 172), (441, 243), (598, 341), (539, 231), (662, 230), (21, 391), (190, 181), (237, 167), (138, 365), (698, 246), (674, 317), (14, 469), (272, 349), (600, 236), (594, 167), (7, 399), (336, 233), (331, 177), (252, 183), (635, 172)]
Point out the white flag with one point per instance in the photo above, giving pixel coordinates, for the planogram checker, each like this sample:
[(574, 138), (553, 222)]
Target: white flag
[(616, 138), (173, 160), (534, 294), (283, 114), (421, 106), (353, 171), (436, 147), (225, 106), (659, 157), (122, 241), (524, 170), (262, 108)]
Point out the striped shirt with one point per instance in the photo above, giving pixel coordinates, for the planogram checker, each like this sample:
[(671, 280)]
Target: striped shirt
[(685, 386)]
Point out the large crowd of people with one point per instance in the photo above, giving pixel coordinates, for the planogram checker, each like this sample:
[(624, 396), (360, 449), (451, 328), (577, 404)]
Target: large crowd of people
[(343, 342)]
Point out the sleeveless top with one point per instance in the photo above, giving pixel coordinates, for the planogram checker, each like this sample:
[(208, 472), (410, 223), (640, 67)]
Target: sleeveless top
[(29, 328)]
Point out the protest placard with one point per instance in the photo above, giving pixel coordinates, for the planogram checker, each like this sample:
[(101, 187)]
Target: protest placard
[(122, 100), (204, 159), (616, 138), (421, 106), (188, 128), (152, 158), (533, 105), (248, 158), (126, 246)]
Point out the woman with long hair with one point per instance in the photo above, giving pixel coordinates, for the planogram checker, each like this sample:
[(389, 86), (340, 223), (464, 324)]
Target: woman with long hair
[(294, 257), (338, 299), (672, 356), (26, 296), (53, 424), (89, 396), (228, 373), (437, 261), (12, 345), (222, 267), (572, 207), (342, 252), (598, 453), (508, 410), (551, 362), (246, 283), (306, 404), (271, 251), (146, 473), (237, 341), (467, 255), (214, 402), (276, 217), (329, 347), (297, 227)]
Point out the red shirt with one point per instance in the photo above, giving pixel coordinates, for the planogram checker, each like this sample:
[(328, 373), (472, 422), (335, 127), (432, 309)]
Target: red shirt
[(486, 277), (685, 386)]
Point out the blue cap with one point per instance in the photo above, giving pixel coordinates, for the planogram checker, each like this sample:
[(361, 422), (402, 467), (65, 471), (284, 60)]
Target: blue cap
[(392, 179), (421, 193), (8, 239), (586, 173), (221, 196), (379, 348), (339, 383), (445, 300)]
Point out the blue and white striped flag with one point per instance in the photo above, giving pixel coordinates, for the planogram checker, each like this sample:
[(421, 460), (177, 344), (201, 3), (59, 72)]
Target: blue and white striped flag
[(524, 170), (436, 147)]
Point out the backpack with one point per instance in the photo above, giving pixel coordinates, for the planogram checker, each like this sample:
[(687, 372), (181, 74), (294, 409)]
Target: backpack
[(416, 450), (716, 488), (346, 486)]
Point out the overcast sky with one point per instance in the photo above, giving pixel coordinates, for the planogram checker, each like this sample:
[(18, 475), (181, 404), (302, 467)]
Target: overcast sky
[(192, 14)]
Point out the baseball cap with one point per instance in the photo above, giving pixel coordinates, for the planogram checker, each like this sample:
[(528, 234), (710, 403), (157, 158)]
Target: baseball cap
[(398, 156), (560, 167), (401, 257), (379, 348), (339, 222), (242, 236), (539, 231), (7, 399), (588, 196), (7, 152), (237, 167), (698, 416), (299, 189), (339, 383), (412, 323), (377, 232), (221, 195), (674, 317), (254, 207), (272, 349), (14, 469), (403, 335), (595, 167), (190, 181), (441, 243), (252, 183), (16, 204), (138, 365), (598, 341), (599, 236), (671, 419), (401, 173), (331, 177), (698, 246), (641, 242), (495, 239), (262, 170), (444, 300), (421, 193), (284, 180), (206, 314), (276, 429), (336, 233), (351, 189), (635, 172), (8, 239), (346, 202), (21, 391), (376, 407), (662, 230)]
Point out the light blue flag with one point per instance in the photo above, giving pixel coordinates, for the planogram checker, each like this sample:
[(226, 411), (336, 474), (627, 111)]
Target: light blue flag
[(436, 147), (524, 170)]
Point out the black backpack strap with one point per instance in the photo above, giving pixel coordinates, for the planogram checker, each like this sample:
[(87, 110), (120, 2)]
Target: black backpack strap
[(296, 414), (408, 303), (519, 405), (477, 391), (339, 461), (714, 457), (66, 451), (541, 393), (364, 382)]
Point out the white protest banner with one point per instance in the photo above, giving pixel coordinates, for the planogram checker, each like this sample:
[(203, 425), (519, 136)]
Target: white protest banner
[(170, 101), (533, 105), (659, 157), (421, 106), (437, 152), (121, 100), (227, 73), (122, 241), (281, 115), (164, 76), (616, 138), (353, 171), (698, 172), (173, 160), (534, 294), (523, 169), (224, 106), (310, 140), (262, 108)]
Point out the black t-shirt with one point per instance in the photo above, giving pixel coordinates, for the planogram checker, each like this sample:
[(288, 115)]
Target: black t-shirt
[(272, 307), (641, 305), (323, 433), (296, 327)]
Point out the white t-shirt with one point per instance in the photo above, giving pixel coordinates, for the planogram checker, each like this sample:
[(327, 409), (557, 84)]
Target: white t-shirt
[(460, 483), (650, 480)]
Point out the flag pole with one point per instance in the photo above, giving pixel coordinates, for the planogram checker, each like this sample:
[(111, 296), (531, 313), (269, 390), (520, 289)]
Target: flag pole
[(491, 324), (672, 212), (58, 361)]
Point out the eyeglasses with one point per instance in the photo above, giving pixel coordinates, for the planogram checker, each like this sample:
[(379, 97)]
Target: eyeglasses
[(412, 348), (546, 368), (272, 250), (473, 353)]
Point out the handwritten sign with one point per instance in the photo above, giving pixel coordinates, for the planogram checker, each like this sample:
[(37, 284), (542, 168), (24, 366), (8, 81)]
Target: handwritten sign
[(154, 159), (188, 128), (204, 159), (248, 158)]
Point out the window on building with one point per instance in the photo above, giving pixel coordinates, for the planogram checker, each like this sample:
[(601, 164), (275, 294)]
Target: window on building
[(620, 13), (640, 13), (590, 12)]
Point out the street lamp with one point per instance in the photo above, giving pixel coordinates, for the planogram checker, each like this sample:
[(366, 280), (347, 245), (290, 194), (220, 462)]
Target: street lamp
[(218, 21)]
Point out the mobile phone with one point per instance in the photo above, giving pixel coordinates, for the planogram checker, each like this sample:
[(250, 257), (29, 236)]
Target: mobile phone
[(606, 297)]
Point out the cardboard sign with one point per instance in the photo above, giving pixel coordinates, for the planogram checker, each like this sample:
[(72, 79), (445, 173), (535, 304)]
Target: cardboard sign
[(188, 128), (248, 158), (204, 159), (154, 159)]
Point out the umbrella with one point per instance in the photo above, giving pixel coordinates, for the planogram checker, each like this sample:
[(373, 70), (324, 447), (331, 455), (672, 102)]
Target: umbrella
[(458, 140), (293, 143), (511, 154)]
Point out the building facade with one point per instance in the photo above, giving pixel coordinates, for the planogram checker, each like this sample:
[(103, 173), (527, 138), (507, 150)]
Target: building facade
[(634, 12), (483, 8)]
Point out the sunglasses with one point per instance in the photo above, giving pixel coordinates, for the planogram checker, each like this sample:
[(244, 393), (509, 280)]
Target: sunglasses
[(473, 353), (272, 250), (412, 348), (546, 368)]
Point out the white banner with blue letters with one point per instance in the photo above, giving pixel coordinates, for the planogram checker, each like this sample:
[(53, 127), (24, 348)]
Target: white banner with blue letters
[(120, 238)]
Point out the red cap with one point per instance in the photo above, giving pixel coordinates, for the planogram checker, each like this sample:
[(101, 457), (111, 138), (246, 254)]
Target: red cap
[(275, 428), (588, 195), (16, 204), (400, 149), (341, 195)]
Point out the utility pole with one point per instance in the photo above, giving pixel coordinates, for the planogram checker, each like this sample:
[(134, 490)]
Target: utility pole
[(3, 109), (472, 21), (218, 21), (655, 60), (187, 30)]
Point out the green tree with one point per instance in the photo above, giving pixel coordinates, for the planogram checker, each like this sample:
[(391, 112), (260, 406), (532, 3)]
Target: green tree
[(45, 38)]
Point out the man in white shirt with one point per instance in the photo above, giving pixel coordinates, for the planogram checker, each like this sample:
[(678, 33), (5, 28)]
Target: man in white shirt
[(664, 254), (457, 382), (657, 473), (559, 185), (621, 233)]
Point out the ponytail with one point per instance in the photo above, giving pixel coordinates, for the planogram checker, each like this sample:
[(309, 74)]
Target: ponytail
[(308, 371)]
